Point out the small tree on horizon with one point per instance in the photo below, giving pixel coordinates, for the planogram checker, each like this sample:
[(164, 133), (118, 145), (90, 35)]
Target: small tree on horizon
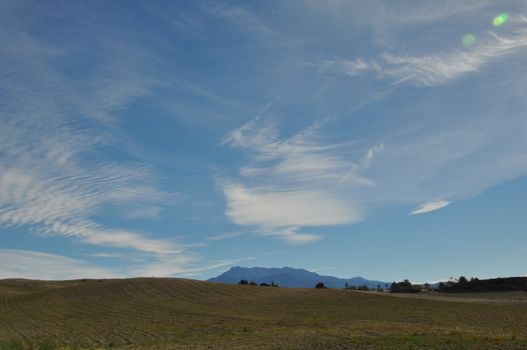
[(404, 287), (320, 285)]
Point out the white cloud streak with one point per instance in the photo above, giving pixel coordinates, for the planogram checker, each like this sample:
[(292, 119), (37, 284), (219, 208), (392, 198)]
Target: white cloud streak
[(226, 235), (268, 208), (293, 183), (291, 235), (429, 207)]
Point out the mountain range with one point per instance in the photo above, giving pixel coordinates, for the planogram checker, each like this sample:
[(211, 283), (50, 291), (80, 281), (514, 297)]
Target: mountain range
[(291, 277)]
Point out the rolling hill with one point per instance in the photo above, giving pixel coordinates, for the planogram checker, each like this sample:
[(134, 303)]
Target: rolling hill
[(290, 277), (159, 313)]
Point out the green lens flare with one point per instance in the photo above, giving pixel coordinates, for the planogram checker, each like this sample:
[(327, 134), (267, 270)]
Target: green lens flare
[(500, 19), (468, 40)]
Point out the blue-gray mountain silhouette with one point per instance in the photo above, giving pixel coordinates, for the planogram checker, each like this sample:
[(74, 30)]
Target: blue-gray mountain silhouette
[(290, 277)]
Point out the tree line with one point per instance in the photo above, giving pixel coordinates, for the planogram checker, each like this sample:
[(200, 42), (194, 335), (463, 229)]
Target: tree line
[(462, 284), (252, 283)]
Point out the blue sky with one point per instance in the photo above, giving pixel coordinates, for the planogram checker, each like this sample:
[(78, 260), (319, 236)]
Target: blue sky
[(182, 138)]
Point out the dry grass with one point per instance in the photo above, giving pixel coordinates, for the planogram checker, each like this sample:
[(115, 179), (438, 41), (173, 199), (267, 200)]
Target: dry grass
[(508, 298), (186, 314)]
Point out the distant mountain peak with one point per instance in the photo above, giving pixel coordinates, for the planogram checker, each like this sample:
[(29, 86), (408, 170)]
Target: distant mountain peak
[(289, 277)]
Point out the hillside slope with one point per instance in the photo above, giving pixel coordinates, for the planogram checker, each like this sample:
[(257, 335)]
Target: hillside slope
[(188, 314)]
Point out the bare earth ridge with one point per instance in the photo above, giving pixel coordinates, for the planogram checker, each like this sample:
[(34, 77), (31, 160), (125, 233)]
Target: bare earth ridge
[(157, 313)]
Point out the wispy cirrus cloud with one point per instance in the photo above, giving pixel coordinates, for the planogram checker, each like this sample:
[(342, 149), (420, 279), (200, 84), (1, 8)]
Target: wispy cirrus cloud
[(437, 68), (171, 267), (15, 263), (441, 68), (352, 67), (67, 166), (56, 173), (36, 265), (431, 153), (182, 21)]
